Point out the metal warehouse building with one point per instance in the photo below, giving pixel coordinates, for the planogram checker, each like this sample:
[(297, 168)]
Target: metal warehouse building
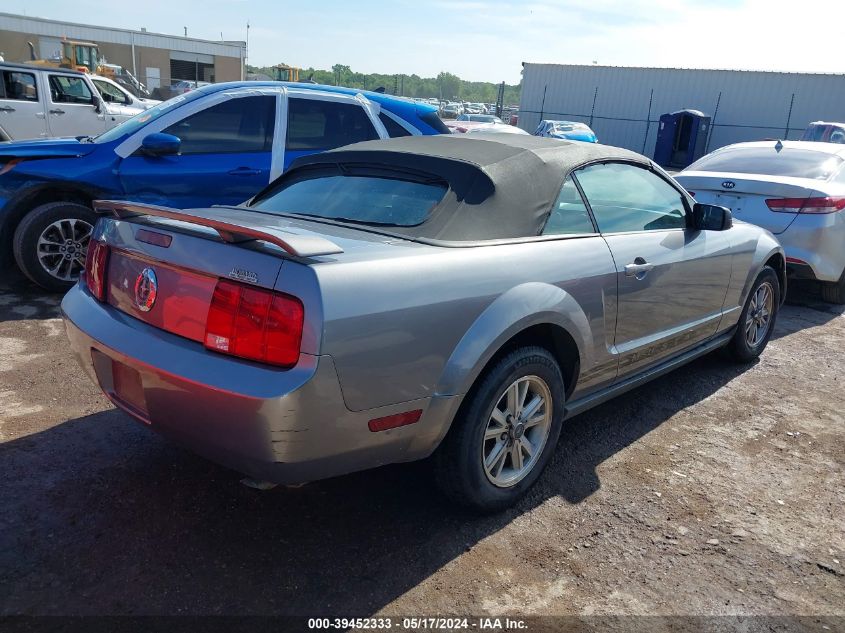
[(624, 105), (157, 60)]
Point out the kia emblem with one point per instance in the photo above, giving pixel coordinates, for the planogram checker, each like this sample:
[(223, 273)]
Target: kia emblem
[(728, 184), (146, 288)]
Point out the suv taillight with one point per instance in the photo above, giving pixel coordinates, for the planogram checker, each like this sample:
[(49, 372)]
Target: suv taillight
[(806, 205), (96, 262), (255, 324)]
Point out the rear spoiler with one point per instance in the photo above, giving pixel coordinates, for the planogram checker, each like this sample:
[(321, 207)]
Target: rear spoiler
[(232, 225)]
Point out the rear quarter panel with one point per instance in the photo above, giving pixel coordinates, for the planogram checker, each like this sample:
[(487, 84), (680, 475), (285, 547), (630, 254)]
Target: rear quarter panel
[(424, 322)]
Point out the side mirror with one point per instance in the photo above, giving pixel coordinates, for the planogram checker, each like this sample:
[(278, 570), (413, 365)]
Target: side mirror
[(709, 217), (98, 103), (161, 144)]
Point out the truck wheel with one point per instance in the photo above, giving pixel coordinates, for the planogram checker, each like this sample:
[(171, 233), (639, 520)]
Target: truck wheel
[(834, 291), (51, 241), (757, 320), (506, 432)]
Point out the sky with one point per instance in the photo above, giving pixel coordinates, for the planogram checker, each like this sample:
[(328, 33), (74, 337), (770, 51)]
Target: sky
[(486, 40)]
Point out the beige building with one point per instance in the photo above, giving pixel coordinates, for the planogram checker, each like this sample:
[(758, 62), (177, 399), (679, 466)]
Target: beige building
[(157, 60)]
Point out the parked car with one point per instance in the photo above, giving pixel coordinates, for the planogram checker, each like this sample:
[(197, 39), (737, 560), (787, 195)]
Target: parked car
[(568, 130), (181, 87), (482, 118), (357, 312), (118, 100), (452, 110), (473, 127), (218, 144), (795, 189), (39, 102), (825, 132)]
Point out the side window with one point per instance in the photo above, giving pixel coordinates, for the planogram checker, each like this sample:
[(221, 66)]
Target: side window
[(569, 213), (18, 86), (66, 89), (110, 93), (392, 127), (234, 126), (316, 124), (628, 198)]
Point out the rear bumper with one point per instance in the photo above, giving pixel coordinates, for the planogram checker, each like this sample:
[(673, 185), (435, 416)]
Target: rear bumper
[(817, 240), (286, 426)]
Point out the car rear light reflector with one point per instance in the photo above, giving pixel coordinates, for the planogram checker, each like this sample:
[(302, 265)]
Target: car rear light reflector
[(393, 421), (96, 262), (795, 260), (806, 205), (255, 324)]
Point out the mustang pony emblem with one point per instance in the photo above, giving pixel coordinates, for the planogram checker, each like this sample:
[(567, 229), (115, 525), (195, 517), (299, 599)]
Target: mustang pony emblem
[(146, 288)]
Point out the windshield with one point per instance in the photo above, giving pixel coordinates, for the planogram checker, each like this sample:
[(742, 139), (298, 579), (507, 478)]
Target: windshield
[(789, 161), (369, 200), (138, 121)]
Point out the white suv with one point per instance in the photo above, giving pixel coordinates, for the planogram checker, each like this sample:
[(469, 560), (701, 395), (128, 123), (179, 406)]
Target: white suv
[(43, 102)]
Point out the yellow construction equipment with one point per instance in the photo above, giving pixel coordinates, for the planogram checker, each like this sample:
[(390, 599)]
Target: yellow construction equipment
[(283, 72)]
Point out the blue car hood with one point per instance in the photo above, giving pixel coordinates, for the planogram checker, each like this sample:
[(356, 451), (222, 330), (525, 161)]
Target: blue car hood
[(46, 148)]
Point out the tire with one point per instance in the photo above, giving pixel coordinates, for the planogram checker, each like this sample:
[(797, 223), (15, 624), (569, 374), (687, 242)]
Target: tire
[(752, 335), (834, 291), (62, 225), (459, 462)]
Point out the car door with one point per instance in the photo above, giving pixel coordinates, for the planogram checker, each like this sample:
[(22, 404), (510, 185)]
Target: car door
[(117, 104), (671, 279), (316, 123), (225, 155), (72, 108), (21, 106)]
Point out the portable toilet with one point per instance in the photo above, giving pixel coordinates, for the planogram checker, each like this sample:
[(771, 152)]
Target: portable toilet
[(681, 137)]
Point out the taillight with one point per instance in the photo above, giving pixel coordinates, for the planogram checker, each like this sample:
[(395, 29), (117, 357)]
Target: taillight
[(254, 323), (96, 262), (806, 205)]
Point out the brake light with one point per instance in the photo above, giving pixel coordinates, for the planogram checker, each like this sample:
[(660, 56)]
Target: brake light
[(96, 261), (255, 324), (806, 205)]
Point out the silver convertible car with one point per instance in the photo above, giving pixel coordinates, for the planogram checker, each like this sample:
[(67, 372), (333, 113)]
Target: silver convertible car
[(445, 297)]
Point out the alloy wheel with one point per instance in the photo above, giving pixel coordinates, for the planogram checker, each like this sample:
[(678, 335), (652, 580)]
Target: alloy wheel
[(517, 431), (759, 317), (62, 246)]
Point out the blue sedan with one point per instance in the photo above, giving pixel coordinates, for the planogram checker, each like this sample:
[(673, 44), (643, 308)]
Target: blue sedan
[(566, 130), (220, 144)]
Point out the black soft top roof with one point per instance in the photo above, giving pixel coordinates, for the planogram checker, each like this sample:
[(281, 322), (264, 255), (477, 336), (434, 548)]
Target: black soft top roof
[(501, 186)]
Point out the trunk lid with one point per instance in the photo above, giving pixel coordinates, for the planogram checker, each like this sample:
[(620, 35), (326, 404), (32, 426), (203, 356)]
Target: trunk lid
[(747, 197), (190, 251)]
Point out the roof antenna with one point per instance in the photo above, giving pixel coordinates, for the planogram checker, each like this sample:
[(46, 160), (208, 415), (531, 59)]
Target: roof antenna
[(778, 146)]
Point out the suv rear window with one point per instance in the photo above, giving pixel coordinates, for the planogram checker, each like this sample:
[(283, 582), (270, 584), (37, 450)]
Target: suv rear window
[(789, 161), (371, 200)]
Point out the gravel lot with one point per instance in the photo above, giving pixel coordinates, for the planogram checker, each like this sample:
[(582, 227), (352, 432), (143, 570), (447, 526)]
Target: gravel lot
[(716, 490)]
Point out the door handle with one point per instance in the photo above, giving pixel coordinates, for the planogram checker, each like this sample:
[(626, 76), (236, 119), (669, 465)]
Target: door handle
[(57, 111), (244, 171), (7, 109), (639, 268)]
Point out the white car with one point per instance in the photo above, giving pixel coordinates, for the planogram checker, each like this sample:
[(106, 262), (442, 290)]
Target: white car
[(44, 102), (119, 100), (795, 189)]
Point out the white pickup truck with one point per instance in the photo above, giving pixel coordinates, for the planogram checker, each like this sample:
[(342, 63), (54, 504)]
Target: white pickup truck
[(42, 102)]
